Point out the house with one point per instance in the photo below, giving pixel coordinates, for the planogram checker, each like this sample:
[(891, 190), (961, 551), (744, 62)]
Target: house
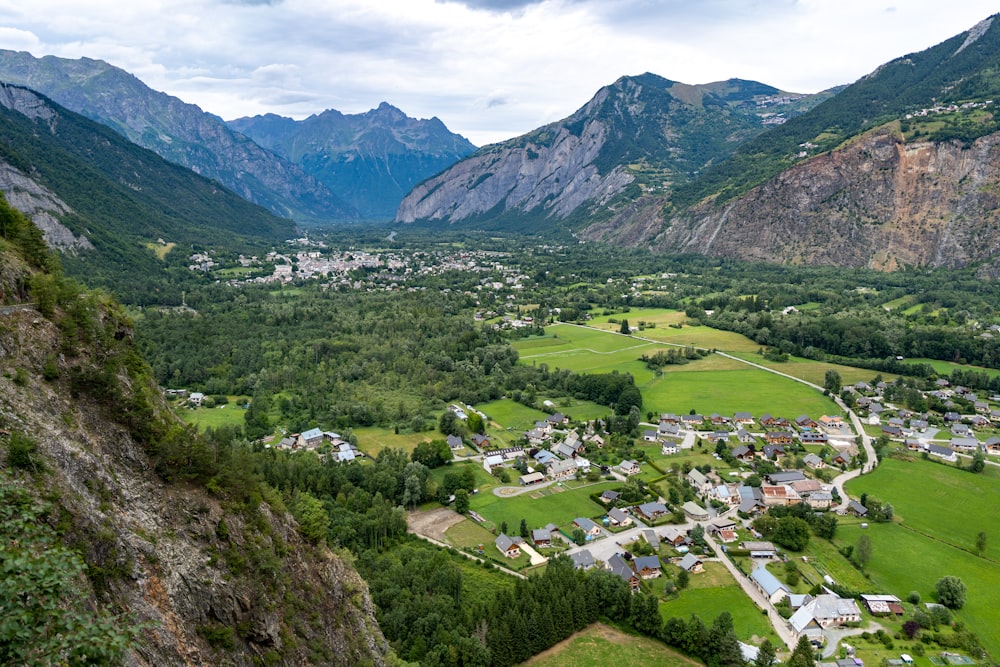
[(666, 430), (557, 419), (694, 511), (778, 437), (196, 398), (768, 584), (536, 437), (804, 487), (979, 421), (965, 444), (629, 467), (582, 464), (669, 448), (944, 453), (992, 445), (589, 528), (561, 470), (691, 563), (699, 480), (772, 452), (618, 566), (918, 425), (609, 496), (724, 493), (744, 436), (961, 430), (619, 517), (831, 421), (583, 560), (759, 549), (346, 453), (545, 457), (780, 494), (542, 537), (669, 418), (691, 421), (744, 418), (310, 439), (507, 546), (820, 500), (825, 611), (479, 440), (652, 539), (563, 450), (574, 442), (813, 461), (840, 459), (647, 567), (805, 421), (751, 500), (594, 439), (491, 461), (743, 453), (649, 435), (454, 442), (531, 478), (767, 421), (718, 419), (652, 511), (674, 537), (720, 524), (719, 435), (813, 438), (857, 509)]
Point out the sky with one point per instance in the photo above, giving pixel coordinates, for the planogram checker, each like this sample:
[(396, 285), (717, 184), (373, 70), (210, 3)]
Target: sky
[(489, 69)]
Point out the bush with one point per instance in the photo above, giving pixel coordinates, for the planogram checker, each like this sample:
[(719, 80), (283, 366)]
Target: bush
[(22, 452)]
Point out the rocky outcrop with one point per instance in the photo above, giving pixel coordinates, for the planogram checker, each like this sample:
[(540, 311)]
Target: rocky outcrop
[(180, 133), (879, 202), (556, 177), (42, 206), (370, 160), (210, 585)]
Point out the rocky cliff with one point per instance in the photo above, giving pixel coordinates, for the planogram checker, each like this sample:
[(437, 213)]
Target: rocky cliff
[(179, 132), (370, 160), (880, 202), (211, 578), (639, 136)]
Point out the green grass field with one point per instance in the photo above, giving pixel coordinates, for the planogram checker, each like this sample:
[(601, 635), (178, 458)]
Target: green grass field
[(511, 414), (373, 439), (552, 504), (600, 645), (708, 603), (942, 502), (224, 415), (815, 371), (941, 510), (946, 367)]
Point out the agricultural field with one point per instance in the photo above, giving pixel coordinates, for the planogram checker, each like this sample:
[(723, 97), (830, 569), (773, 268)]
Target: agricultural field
[(373, 439), (815, 371), (947, 367), (709, 602), (511, 414), (229, 414), (711, 384), (552, 504), (601, 645), (939, 510)]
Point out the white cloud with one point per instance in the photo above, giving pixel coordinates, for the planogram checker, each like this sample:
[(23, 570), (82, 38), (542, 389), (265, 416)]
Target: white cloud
[(489, 69)]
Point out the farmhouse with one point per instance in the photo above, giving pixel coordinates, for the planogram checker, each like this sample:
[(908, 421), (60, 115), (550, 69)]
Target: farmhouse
[(507, 547), (820, 500), (769, 585), (310, 439)]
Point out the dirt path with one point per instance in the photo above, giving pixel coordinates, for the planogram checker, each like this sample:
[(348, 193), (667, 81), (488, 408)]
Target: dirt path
[(432, 523)]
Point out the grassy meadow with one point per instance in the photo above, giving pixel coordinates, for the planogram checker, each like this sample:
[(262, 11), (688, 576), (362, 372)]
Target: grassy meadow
[(600, 645), (552, 504)]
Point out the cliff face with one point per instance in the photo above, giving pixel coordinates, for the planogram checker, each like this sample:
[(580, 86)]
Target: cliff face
[(879, 202), (211, 585)]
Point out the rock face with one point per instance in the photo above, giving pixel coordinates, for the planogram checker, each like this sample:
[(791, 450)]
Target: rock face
[(180, 133), (212, 586), (879, 202), (369, 160), (637, 136), (43, 207)]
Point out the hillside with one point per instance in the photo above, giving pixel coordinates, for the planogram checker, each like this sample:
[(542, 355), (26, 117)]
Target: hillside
[(180, 133), (370, 160), (641, 135), (101, 198), (106, 521)]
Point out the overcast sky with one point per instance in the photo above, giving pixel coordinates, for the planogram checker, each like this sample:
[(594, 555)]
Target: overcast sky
[(490, 69)]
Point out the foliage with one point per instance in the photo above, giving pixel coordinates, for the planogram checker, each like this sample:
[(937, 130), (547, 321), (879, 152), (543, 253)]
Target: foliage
[(45, 616), (951, 592)]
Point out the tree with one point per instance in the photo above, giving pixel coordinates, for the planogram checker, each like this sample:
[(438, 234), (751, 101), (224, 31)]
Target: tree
[(981, 542), (766, 655), (625, 328), (448, 423), (825, 525), (579, 537), (863, 551), (475, 423), (951, 592), (911, 628), (314, 521), (523, 529), (803, 655), (461, 501), (698, 534), (683, 579), (792, 533), (978, 462), (832, 382)]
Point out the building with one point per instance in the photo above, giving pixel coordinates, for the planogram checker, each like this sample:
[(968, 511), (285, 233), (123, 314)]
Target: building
[(694, 511), (647, 567), (825, 611), (620, 567), (629, 467), (531, 478), (542, 537), (589, 528), (619, 517), (768, 584), (583, 560), (507, 546), (691, 563), (652, 511)]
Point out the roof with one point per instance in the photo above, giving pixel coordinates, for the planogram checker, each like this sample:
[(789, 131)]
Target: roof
[(857, 508), (697, 477), (610, 495), (585, 523), (541, 535), (646, 563), (312, 433), (689, 561), (503, 542), (694, 508), (617, 515), (785, 476), (757, 546), (767, 581), (652, 508), (583, 559), (618, 566)]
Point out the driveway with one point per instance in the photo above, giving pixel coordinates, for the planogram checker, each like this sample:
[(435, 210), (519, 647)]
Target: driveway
[(536, 558)]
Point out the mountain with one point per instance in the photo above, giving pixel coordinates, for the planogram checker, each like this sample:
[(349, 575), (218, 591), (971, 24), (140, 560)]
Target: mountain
[(180, 133), (640, 135), (101, 199), (114, 550), (899, 169), (368, 160)]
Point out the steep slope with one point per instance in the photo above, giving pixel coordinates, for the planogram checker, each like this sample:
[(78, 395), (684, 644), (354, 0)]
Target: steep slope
[(369, 160), (195, 578), (642, 134), (180, 133), (102, 197)]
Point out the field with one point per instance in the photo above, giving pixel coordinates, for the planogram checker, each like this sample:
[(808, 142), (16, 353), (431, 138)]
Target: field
[(942, 509), (373, 439), (707, 603), (712, 384), (553, 504), (815, 371), (600, 645), (511, 414), (223, 415), (942, 502), (946, 367)]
